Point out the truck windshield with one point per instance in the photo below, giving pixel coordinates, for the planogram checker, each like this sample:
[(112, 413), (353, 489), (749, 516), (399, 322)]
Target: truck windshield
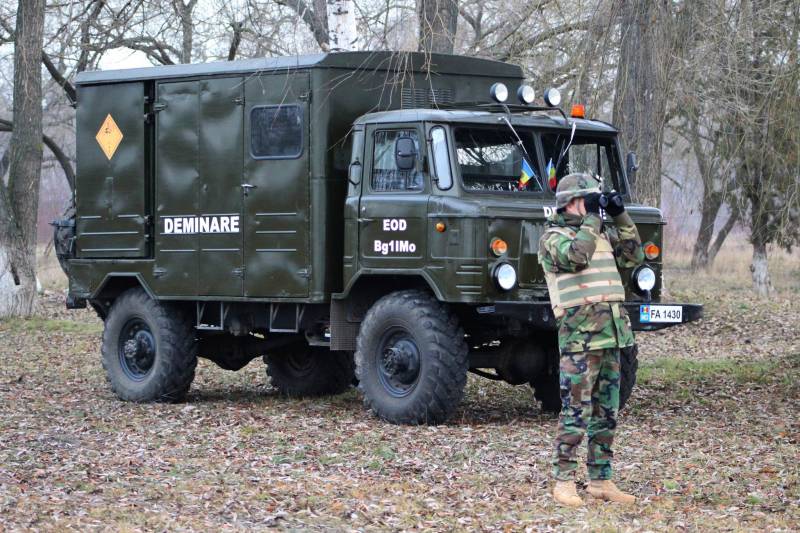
[(595, 155), (490, 159)]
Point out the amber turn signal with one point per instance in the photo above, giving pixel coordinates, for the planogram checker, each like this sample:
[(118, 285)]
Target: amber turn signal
[(499, 246), (578, 111), (440, 227), (651, 251)]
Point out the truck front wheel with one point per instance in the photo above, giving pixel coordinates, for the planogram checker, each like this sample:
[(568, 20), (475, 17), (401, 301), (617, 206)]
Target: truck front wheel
[(310, 371), (411, 359), (148, 349)]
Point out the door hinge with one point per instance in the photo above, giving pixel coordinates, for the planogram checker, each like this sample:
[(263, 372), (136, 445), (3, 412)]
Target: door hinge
[(239, 272)]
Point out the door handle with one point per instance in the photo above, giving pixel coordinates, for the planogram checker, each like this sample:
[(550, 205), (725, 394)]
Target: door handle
[(366, 220), (246, 188)]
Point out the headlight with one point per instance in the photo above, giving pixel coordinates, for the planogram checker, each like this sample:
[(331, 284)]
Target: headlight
[(645, 278), (499, 92), (506, 276)]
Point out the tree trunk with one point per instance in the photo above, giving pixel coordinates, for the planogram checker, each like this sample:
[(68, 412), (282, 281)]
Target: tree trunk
[(762, 285), (438, 21), (710, 209), (722, 235), (640, 99), (19, 200), (340, 25)]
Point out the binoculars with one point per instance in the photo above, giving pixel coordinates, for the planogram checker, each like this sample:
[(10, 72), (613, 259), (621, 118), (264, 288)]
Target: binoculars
[(610, 198)]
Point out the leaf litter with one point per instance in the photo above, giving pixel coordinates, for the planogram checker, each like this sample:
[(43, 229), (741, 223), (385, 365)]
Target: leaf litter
[(710, 441)]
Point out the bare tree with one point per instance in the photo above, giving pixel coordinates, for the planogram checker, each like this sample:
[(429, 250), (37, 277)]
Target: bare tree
[(19, 198), (646, 54)]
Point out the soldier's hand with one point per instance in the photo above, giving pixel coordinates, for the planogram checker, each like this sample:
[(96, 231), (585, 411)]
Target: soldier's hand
[(592, 203), (613, 204)]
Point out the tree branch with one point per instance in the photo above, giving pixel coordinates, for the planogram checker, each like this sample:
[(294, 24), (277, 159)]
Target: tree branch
[(63, 160)]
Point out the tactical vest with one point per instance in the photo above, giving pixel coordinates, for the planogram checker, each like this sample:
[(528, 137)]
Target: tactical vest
[(598, 282)]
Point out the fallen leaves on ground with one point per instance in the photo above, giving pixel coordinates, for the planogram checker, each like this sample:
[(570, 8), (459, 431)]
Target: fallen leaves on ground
[(709, 446)]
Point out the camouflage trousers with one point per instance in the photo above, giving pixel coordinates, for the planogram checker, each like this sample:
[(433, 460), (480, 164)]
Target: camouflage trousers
[(590, 401)]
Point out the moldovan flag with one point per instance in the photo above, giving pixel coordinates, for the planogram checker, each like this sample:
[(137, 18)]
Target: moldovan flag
[(550, 170), (527, 174)]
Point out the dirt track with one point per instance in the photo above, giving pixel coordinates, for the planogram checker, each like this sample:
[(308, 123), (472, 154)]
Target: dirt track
[(710, 442)]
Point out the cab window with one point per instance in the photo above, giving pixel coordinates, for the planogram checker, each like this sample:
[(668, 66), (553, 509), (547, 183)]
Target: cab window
[(385, 174), (595, 155), (491, 159)]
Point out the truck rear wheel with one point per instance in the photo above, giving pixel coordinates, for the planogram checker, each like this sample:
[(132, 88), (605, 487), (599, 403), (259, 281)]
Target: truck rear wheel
[(546, 388), (411, 359), (148, 349), (310, 371)]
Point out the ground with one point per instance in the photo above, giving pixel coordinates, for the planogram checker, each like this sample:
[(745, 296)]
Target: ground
[(711, 440)]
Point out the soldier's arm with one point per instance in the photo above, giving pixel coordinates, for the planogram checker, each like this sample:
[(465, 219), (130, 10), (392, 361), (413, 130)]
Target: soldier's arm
[(559, 253), (626, 242)]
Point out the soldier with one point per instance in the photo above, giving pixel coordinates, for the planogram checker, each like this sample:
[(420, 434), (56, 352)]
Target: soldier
[(580, 259)]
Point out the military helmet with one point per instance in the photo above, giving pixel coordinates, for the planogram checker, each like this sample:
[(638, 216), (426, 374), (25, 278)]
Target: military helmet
[(576, 185)]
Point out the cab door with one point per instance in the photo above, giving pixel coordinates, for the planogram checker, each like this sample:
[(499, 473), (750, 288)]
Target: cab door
[(275, 185), (394, 203)]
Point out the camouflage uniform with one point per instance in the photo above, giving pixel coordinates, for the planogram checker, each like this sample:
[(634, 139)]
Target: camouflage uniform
[(589, 338)]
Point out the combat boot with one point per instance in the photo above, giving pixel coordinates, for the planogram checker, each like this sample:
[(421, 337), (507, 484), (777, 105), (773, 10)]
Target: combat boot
[(564, 493), (606, 490)]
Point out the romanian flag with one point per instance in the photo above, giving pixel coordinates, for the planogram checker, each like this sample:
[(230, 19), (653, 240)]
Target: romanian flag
[(526, 175), (550, 170)]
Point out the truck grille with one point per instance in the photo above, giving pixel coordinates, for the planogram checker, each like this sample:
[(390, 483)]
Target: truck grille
[(411, 98)]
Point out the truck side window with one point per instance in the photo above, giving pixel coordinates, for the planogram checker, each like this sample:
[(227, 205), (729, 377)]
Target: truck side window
[(276, 132), (385, 175), (441, 158)]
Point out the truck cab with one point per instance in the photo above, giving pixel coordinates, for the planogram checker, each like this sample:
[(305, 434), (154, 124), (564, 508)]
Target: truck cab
[(351, 218)]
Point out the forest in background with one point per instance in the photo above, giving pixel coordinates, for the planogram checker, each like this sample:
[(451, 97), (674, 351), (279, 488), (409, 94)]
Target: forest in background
[(704, 91)]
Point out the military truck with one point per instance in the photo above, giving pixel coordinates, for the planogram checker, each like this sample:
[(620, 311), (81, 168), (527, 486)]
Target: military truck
[(352, 218)]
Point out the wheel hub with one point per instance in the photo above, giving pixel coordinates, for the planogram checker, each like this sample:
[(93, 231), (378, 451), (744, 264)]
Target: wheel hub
[(137, 351), (399, 365)]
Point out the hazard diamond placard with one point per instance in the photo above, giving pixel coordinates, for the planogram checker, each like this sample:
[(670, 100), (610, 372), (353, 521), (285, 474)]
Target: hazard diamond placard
[(109, 136)]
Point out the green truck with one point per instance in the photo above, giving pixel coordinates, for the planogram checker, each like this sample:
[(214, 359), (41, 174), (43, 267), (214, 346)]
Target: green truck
[(352, 218)]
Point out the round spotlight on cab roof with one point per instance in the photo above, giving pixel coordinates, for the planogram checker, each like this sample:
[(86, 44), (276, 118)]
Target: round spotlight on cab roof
[(552, 97), (526, 94), (499, 92)]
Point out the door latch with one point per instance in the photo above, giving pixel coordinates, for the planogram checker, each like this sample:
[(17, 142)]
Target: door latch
[(246, 188)]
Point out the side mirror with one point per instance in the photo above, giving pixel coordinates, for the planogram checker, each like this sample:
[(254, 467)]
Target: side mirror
[(354, 172), (405, 153), (630, 163)]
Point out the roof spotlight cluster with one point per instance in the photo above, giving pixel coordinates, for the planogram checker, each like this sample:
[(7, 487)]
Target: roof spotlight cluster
[(525, 94)]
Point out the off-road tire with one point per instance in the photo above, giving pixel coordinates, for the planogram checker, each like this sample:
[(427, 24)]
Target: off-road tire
[(629, 364), (172, 370), (443, 358), (547, 390), (310, 371)]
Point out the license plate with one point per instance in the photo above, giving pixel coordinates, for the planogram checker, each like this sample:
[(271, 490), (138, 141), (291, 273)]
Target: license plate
[(660, 313)]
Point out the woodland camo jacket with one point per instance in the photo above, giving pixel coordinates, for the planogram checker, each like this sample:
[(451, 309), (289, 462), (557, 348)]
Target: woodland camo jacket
[(599, 325)]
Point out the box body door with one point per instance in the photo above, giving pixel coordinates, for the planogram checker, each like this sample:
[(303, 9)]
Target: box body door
[(111, 185), (198, 187), (276, 183)]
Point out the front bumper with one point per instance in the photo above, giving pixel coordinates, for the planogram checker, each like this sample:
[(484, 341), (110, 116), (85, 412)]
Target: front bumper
[(540, 314)]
